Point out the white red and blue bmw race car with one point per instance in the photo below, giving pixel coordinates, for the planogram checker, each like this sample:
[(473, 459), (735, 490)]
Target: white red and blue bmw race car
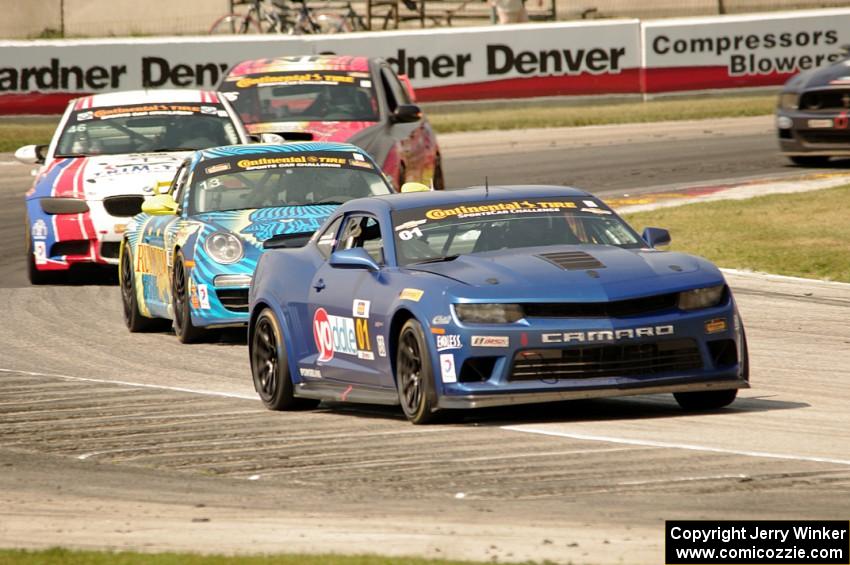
[(109, 152)]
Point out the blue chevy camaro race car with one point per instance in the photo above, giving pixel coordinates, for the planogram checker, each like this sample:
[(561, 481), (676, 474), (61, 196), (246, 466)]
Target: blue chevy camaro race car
[(191, 254), (487, 297)]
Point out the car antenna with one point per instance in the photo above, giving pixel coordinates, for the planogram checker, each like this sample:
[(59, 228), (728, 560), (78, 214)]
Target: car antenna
[(486, 187)]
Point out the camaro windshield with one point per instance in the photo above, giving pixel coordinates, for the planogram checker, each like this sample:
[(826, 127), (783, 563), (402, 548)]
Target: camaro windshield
[(303, 96), (283, 179), (142, 128), (438, 233)]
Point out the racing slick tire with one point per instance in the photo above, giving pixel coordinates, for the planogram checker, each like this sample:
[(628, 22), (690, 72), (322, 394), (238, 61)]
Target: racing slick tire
[(714, 399), (439, 181), (133, 318), (809, 160), (415, 375), (270, 367), (185, 330)]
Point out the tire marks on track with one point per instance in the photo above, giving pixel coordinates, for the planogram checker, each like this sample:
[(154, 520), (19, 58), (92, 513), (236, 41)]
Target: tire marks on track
[(380, 453)]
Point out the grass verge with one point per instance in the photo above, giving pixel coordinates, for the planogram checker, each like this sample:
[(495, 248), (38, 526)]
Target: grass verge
[(59, 556), (802, 235), (599, 114), (15, 132)]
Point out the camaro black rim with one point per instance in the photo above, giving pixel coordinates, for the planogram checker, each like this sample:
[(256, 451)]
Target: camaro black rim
[(127, 284), (265, 358), (179, 293), (410, 371)]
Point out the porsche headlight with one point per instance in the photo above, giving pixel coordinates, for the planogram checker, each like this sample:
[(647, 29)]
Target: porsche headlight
[(701, 297), (224, 247), (489, 313), (789, 100)]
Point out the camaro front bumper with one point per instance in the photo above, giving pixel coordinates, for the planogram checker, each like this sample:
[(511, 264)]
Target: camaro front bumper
[(551, 359), (489, 400)]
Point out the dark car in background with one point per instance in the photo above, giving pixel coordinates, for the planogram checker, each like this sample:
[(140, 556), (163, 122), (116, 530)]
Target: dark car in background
[(812, 114)]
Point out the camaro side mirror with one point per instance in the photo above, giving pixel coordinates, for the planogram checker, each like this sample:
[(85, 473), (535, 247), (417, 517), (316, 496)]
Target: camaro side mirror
[(31, 154), (415, 187), (406, 113), (656, 237), (160, 205), (355, 258)]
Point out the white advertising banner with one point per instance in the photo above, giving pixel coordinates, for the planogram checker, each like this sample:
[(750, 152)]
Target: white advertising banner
[(738, 51), (445, 64)]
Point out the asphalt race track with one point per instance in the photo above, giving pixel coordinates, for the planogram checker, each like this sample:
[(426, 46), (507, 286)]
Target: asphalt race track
[(120, 441)]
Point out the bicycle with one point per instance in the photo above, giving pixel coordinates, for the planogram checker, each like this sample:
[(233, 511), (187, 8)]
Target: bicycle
[(270, 16)]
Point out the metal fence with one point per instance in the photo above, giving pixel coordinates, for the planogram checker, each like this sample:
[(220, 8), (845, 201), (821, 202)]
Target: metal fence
[(103, 18)]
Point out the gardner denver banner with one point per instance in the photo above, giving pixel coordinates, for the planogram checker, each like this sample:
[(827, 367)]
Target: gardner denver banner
[(740, 51), (463, 64)]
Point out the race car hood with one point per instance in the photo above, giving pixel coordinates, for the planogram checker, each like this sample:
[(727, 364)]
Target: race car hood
[(99, 177), (535, 274), (320, 131), (835, 75), (257, 225)]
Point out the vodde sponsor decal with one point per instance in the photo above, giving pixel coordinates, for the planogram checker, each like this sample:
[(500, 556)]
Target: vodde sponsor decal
[(337, 334)]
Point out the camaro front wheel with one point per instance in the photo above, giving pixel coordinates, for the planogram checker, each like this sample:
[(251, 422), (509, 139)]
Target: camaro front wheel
[(270, 368), (415, 375)]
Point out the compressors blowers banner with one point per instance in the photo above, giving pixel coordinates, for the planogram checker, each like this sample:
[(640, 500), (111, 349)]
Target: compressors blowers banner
[(493, 62)]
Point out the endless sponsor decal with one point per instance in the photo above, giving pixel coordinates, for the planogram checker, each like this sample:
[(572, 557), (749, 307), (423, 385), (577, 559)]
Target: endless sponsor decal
[(446, 342)]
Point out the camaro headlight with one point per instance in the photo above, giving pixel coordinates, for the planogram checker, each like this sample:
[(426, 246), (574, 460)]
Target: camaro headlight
[(489, 313), (701, 297), (224, 247), (789, 100)]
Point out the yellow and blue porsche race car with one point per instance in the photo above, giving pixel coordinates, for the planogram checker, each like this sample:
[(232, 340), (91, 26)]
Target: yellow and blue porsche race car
[(190, 255)]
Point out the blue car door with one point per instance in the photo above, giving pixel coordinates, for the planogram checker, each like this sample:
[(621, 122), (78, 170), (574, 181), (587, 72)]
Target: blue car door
[(341, 300)]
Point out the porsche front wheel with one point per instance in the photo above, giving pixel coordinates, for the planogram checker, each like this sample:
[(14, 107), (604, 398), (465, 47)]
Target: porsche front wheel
[(270, 367), (133, 319), (415, 375), (185, 330)]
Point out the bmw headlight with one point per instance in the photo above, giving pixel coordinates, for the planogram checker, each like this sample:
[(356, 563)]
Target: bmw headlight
[(489, 313), (224, 247), (789, 100), (701, 297)]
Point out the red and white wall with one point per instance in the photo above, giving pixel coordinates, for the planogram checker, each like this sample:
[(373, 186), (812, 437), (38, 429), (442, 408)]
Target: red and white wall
[(739, 51), (573, 58)]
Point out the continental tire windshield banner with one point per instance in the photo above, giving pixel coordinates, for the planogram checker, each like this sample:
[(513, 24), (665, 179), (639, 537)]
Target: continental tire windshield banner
[(740, 51)]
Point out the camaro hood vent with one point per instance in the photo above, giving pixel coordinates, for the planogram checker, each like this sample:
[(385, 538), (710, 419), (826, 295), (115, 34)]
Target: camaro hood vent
[(572, 260)]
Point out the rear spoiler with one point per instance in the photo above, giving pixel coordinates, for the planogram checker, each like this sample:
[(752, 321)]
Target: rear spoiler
[(288, 240)]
